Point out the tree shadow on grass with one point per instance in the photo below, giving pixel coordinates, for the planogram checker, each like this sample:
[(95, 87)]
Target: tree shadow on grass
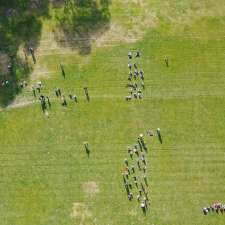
[(80, 22), (20, 27)]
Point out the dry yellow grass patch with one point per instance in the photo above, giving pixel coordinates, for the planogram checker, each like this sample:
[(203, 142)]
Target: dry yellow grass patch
[(40, 72), (91, 188), (80, 213)]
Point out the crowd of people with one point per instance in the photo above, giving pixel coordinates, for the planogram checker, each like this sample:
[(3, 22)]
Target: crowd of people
[(135, 173), (135, 77), (214, 208)]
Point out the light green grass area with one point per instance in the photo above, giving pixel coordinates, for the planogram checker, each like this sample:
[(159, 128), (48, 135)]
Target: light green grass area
[(43, 162)]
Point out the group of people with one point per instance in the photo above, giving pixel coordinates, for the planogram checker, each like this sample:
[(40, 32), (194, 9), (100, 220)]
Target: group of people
[(44, 100), (63, 98), (135, 77), (4, 83), (135, 173), (37, 88), (214, 208)]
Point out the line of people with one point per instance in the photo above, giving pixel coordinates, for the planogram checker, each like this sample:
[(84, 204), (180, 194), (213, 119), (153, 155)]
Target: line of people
[(214, 208), (135, 78), (135, 173)]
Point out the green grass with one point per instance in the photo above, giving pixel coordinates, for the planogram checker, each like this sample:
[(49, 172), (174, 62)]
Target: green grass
[(43, 163)]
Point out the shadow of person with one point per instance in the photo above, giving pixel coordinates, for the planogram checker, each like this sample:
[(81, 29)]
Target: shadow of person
[(87, 150), (159, 135), (144, 210)]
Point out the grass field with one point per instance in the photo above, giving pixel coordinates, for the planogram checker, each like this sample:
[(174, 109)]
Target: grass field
[(47, 179)]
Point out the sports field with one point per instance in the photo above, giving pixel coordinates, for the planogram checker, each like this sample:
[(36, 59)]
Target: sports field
[(46, 178)]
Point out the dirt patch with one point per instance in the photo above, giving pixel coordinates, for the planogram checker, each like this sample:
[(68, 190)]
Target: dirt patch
[(80, 212), (40, 72), (137, 2), (116, 34), (57, 3), (91, 188), (4, 62)]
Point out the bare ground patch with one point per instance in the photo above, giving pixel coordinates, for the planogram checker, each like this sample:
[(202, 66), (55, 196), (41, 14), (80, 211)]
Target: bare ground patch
[(18, 104), (80, 212), (90, 188), (138, 2), (40, 72)]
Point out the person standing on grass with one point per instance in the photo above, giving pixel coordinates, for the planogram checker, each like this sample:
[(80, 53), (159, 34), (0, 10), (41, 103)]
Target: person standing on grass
[(48, 100), (87, 149), (138, 164), (59, 91), (131, 154), (145, 180), (166, 61), (130, 196), (32, 54), (133, 169), (74, 97), (159, 135), (34, 92), (43, 103), (38, 88), (129, 55), (144, 169), (140, 145), (130, 76), (64, 103), (86, 93), (129, 66), (141, 74), (138, 54), (62, 70)]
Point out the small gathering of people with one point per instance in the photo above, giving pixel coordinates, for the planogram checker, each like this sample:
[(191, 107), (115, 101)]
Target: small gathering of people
[(214, 208), (135, 77), (4, 83), (135, 173), (36, 89), (45, 100)]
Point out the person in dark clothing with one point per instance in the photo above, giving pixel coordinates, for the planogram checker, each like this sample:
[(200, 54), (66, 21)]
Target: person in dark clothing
[(138, 54), (32, 54), (87, 93), (62, 70), (48, 100)]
